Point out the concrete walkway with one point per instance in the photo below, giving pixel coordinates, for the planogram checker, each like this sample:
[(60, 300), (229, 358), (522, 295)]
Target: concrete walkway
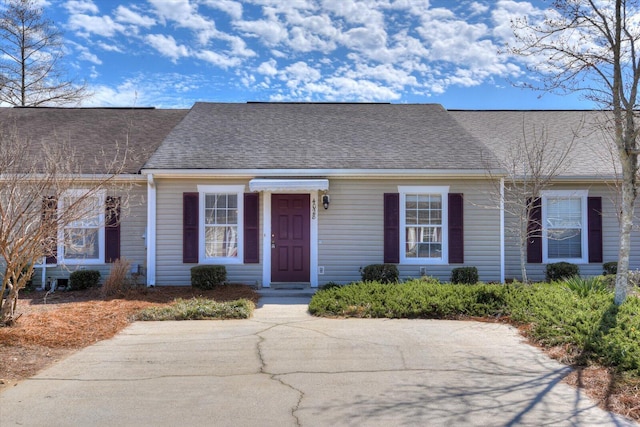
[(286, 368)]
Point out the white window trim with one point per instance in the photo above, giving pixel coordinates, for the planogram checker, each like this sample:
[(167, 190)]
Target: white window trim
[(583, 194), (61, 259), (443, 191), (203, 190)]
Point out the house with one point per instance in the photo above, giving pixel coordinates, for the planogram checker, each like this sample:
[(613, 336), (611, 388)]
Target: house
[(93, 137), (309, 193), (582, 204)]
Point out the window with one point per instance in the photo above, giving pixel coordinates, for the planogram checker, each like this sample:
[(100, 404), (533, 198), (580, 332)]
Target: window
[(221, 223), (423, 224), (564, 226), (82, 236)]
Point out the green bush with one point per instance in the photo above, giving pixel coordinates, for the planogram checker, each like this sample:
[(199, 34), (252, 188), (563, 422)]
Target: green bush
[(382, 273), (84, 279), (208, 276), (411, 299), (585, 286), (610, 268), (330, 285), (465, 275), (561, 270), (199, 309)]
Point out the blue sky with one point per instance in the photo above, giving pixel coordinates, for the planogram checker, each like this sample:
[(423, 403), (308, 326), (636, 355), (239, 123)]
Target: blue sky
[(172, 53)]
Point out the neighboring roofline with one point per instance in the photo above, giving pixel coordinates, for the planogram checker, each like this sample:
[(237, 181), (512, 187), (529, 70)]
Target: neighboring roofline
[(498, 110), (79, 177), (356, 173)]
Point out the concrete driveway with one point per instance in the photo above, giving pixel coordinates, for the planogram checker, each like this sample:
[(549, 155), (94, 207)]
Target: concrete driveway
[(286, 368)]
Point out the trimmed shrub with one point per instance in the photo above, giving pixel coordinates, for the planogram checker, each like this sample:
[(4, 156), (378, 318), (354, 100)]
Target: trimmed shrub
[(84, 279), (329, 285), (465, 275), (208, 276), (610, 268), (199, 309), (382, 273), (561, 270)]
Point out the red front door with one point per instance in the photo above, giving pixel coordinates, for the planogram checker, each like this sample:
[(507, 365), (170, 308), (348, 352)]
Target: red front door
[(290, 238)]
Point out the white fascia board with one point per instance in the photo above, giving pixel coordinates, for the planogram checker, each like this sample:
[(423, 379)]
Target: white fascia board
[(79, 177), (355, 173), (580, 178)]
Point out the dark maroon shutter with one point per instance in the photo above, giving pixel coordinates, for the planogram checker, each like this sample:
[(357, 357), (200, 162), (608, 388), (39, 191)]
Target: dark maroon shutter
[(251, 228), (534, 232), (112, 229), (49, 212), (190, 205), (456, 229), (594, 221), (392, 228)]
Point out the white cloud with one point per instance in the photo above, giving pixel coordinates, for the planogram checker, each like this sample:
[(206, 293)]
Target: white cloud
[(109, 47), (271, 32), (268, 68), (299, 73), (75, 7), (90, 57), (477, 8), (185, 15), (167, 46), (232, 8), (86, 25), (128, 16), (217, 59)]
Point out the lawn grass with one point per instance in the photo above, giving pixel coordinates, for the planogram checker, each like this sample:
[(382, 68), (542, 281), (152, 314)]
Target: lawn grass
[(589, 324)]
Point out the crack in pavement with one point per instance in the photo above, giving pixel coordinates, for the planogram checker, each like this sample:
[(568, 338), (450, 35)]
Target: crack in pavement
[(272, 376)]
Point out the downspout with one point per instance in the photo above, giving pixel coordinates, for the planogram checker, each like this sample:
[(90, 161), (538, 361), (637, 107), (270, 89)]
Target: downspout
[(502, 260), (44, 273), (151, 231)]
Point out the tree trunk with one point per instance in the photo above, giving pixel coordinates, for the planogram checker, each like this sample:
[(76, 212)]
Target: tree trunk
[(626, 224), (7, 309)]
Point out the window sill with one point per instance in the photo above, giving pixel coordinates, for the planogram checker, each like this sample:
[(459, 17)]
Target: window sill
[(423, 261)]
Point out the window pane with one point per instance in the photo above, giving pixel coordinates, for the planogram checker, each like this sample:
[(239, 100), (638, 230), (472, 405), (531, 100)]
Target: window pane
[(564, 244), (81, 243), (424, 242), (221, 241), (84, 212), (564, 212)]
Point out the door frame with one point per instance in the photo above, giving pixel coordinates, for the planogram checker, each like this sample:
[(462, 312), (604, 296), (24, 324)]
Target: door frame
[(313, 236)]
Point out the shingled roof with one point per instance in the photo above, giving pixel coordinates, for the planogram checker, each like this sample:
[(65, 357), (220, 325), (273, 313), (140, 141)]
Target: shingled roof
[(320, 136), (92, 132), (591, 157)]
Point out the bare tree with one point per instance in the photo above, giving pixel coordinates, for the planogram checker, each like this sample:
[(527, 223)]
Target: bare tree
[(45, 202), (31, 48), (531, 165), (591, 47)]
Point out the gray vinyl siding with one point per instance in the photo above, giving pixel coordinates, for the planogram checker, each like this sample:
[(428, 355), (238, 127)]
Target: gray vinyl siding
[(132, 237), (170, 270), (610, 238), (351, 231)]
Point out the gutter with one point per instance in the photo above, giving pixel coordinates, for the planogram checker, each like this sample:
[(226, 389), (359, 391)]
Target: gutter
[(342, 173)]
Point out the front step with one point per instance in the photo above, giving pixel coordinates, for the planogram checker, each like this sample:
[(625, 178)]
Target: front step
[(290, 286), (306, 292)]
